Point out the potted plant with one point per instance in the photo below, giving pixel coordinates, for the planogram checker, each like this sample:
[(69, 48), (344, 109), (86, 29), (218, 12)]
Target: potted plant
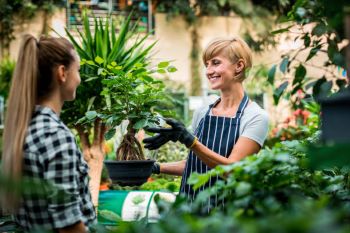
[(131, 95), (99, 39), (101, 48)]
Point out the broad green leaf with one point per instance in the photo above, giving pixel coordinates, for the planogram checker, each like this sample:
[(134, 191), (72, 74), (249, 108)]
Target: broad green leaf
[(307, 40), (147, 79), (109, 121), (279, 91), (338, 59), (310, 85), (332, 48), (161, 71), (313, 52), (90, 115), (300, 73), (163, 64), (319, 29), (81, 120), (284, 64), (110, 133), (140, 124), (90, 62), (172, 69), (198, 180), (100, 71), (300, 12), (271, 74), (317, 87), (99, 60)]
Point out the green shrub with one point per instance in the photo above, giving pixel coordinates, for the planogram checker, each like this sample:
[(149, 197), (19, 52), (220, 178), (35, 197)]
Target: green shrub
[(273, 191), (7, 67)]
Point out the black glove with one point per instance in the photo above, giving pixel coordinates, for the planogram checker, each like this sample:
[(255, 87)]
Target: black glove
[(156, 168), (177, 132)]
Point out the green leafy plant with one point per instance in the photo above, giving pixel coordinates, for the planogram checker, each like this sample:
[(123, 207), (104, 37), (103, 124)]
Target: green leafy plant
[(322, 41), (15, 12), (7, 67), (131, 95), (100, 47), (276, 185), (302, 123)]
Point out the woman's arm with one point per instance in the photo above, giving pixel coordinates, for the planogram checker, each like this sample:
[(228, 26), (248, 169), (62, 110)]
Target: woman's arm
[(243, 147), (173, 168)]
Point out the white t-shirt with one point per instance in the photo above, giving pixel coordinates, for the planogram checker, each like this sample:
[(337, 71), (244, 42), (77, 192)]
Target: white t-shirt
[(254, 122)]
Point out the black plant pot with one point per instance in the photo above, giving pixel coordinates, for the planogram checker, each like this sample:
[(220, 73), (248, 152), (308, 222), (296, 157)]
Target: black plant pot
[(129, 173)]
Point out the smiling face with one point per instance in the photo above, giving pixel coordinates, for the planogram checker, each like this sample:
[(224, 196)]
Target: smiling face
[(73, 79), (69, 78), (226, 61), (220, 72)]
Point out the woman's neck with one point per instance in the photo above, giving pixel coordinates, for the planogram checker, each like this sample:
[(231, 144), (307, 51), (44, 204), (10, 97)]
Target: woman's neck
[(231, 97), (53, 103)]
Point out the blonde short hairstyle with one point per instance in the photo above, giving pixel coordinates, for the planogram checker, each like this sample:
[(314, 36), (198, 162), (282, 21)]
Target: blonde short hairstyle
[(233, 49)]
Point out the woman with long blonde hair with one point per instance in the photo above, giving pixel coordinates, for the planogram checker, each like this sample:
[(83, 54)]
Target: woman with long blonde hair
[(37, 146)]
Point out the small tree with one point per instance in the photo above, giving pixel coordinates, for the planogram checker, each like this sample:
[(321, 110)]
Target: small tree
[(97, 42), (131, 95)]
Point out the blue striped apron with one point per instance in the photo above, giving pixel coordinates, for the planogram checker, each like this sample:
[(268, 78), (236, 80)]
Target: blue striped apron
[(219, 134)]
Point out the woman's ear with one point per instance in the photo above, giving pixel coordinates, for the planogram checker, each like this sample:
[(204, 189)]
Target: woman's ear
[(240, 66), (61, 73)]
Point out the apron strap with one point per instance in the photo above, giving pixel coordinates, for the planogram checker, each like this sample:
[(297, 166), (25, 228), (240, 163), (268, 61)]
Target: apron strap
[(241, 107)]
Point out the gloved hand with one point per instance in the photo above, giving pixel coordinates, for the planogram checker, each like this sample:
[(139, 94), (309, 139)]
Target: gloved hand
[(156, 168), (177, 132)]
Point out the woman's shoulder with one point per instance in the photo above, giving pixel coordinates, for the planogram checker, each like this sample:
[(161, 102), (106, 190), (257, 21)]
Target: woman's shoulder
[(254, 114), (46, 126), (253, 110)]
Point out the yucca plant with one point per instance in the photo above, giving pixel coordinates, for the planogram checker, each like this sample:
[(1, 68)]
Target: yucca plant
[(124, 48)]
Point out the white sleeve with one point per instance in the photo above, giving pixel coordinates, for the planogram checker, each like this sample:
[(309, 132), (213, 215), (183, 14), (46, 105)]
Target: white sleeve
[(197, 116), (257, 128)]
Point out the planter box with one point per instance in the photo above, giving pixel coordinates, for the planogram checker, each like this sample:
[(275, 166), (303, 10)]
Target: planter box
[(120, 206), (129, 173)]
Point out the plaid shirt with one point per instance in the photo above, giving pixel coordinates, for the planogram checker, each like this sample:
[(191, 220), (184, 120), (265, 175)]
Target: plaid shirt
[(53, 160)]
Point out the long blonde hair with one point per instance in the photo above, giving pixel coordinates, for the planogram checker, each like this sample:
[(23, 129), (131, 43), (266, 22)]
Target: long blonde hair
[(32, 79)]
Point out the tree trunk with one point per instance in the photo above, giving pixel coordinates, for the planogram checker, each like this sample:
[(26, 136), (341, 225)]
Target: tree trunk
[(46, 22), (196, 84), (94, 155)]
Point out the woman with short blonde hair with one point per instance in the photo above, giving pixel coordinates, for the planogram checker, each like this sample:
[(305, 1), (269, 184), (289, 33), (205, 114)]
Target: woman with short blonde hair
[(226, 131)]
